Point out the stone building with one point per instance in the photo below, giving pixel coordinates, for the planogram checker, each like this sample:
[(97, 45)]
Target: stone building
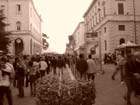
[(78, 38), (114, 21), (25, 25)]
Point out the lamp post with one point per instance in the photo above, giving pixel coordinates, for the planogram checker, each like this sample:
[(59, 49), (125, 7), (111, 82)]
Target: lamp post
[(135, 34), (100, 53)]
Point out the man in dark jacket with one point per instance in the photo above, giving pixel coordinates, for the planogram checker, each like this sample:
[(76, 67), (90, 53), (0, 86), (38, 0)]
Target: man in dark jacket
[(81, 65), (132, 75)]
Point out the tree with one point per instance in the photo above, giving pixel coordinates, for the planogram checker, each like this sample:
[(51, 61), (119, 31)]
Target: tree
[(4, 35)]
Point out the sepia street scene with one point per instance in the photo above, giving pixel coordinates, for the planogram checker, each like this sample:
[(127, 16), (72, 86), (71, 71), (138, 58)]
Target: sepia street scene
[(69, 52)]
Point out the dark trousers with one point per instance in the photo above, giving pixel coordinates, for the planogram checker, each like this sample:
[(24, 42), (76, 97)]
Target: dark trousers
[(15, 82), (27, 80), (5, 91), (42, 73), (20, 82), (48, 70), (32, 88), (82, 75), (91, 76)]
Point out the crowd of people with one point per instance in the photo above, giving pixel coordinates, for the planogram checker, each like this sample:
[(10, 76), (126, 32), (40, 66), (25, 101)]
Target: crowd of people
[(23, 71)]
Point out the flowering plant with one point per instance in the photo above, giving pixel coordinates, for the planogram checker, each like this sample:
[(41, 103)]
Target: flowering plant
[(51, 91)]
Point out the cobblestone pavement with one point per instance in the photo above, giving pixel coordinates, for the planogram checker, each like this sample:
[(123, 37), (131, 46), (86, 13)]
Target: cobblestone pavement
[(109, 92)]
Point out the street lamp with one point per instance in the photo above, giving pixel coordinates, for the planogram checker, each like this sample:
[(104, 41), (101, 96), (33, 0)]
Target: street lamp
[(134, 22), (100, 52)]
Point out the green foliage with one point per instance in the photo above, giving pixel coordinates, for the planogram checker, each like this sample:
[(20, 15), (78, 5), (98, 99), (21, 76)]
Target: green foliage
[(4, 35)]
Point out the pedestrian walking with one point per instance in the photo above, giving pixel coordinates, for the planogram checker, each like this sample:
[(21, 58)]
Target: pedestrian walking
[(32, 78), (6, 75), (119, 67), (42, 66), (81, 65), (132, 76), (60, 64), (26, 61), (91, 68), (53, 65), (47, 60), (20, 75)]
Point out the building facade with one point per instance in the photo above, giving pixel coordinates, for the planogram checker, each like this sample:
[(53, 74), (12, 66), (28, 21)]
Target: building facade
[(114, 21), (25, 26), (79, 40)]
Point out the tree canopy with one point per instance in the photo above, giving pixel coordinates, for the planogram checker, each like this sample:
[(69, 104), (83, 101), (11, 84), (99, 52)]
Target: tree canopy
[(4, 35)]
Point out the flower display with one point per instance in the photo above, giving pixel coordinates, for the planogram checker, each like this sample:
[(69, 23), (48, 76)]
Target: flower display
[(53, 91)]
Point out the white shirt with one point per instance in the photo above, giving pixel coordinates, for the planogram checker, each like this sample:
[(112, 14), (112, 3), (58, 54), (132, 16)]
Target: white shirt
[(43, 65)]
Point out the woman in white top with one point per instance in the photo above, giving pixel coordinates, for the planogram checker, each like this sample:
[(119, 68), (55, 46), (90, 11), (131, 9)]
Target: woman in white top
[(42, 66)]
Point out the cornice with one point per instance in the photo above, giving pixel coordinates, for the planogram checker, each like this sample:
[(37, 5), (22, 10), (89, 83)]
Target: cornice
[(36, 10), (91, 5), (26, 33), (82, 22)]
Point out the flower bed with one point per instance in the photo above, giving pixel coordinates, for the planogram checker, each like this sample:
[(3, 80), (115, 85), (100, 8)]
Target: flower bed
[(50, 91)]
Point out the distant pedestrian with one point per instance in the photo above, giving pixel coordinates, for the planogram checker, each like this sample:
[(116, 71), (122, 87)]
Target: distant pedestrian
[(42, 66), (60, 64), (119, 67), (20, 75), (47, 60), (81, 65), (91, 68), (32, 77), (53, 65), (26, 61)]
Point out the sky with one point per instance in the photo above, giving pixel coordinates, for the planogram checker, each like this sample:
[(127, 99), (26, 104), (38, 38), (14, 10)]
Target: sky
[(60, 19)]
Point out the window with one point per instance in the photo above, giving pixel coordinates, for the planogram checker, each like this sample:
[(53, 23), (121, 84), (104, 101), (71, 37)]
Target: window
[(105, 45), (98, 3), (2, 7), (104, 29), (120, 8), (31, 27), (18, 25), (122, 40), (18, 8), (121, 27), (104, 11), (31, 12)]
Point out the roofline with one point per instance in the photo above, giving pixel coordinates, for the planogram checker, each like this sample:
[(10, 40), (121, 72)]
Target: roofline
[(39, 16), (91, 5), (78, 26)]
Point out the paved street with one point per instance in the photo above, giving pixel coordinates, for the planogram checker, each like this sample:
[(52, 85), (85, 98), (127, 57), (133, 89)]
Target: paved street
[(109, 92)]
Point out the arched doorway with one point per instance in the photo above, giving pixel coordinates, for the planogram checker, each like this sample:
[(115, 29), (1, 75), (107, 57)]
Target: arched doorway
[(19, 46), (122, 40)]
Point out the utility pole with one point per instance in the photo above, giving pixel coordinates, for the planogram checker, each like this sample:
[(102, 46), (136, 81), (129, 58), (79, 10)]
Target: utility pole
[(135, 33), (100, 52)]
